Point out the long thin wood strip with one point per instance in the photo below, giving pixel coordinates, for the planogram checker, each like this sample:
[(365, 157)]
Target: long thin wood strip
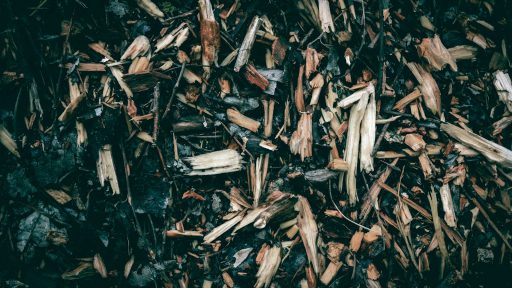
[(223, 228), (372, 195)]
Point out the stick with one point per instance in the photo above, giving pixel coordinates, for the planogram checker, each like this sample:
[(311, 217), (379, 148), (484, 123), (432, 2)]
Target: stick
[(373, 193), (245, 49), (156, 98), (168, 107)]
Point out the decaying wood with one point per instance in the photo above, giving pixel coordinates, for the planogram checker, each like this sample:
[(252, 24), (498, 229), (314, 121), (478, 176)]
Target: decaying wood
[(402, 103), (356, 240), (490, 150), (218, 162), (454, 236), (278, 205), (257, 178), (415, 141), (228, 280), (312, 58), (99, 265), (268, 110), (75, 97), (426, 165), (372, 235), (501, 125), (353, 98), (299, 92), (245, 49), (219, 190), (254, 77), (118, 75)]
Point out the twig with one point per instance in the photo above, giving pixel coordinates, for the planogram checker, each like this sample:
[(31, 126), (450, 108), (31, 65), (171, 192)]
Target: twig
[(156, 98), (381, 136), (341, 213), (236, 140), (173, 93), (182, 15), (380, 74)]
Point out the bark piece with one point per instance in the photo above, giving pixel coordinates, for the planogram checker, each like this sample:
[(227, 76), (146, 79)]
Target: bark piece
[(210, 35), (254, 77)]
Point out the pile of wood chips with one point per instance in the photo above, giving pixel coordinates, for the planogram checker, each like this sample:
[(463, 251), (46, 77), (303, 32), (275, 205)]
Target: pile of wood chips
[(265, 143)]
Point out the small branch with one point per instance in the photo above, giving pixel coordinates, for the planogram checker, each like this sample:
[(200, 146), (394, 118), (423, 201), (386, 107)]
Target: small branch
[(169, 104), (156, 99)]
